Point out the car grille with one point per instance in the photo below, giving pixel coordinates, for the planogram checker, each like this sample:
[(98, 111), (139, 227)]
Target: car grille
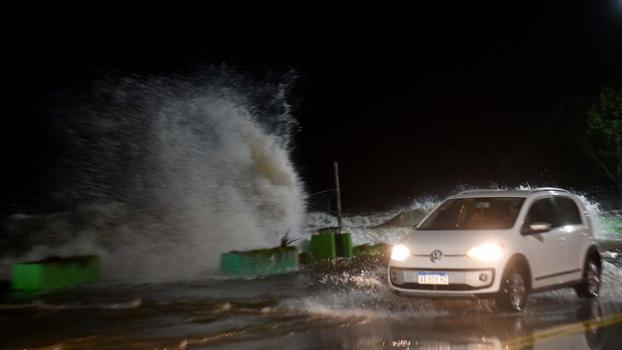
[(456, 287)]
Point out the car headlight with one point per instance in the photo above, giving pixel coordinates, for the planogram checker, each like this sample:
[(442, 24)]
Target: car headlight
[(400, 252), (486, 252)]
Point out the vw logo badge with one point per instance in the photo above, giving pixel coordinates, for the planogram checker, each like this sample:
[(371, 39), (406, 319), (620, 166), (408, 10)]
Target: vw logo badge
[(436, 256)]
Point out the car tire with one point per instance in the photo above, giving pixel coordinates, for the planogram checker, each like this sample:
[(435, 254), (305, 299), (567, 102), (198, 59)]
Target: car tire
[(590, 284), (513, 292)]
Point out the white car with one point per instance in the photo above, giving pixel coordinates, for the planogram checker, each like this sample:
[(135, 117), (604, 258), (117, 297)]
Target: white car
[(501, 244)]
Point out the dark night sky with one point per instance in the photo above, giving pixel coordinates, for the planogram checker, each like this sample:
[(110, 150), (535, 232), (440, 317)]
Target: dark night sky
[(410, 101)]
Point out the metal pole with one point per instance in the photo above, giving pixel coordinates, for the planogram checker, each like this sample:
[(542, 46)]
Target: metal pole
[(337, 194)]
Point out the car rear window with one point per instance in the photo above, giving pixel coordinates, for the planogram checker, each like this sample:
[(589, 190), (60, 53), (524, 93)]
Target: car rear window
[(568, 211)]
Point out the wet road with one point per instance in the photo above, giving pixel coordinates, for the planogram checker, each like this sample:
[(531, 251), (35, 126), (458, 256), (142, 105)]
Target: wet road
[(347, 308)]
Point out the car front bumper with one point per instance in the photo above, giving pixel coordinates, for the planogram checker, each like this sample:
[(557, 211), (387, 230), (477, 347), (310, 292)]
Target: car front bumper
[(466, 278)]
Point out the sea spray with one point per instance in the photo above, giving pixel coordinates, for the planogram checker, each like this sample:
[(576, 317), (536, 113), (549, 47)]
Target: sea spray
[(160, 175), (380, 227)]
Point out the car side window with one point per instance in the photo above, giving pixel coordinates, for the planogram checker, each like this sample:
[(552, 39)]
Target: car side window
[(568, 211), (542, 210)]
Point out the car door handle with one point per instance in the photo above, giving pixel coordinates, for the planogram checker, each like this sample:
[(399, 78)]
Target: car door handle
[(561, 239)]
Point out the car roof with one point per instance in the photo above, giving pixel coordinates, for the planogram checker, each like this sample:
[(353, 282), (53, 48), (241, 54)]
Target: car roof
[(511, 193)]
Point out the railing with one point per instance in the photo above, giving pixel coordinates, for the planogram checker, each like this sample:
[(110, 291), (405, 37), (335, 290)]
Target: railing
[(480, 190), (540, 189)]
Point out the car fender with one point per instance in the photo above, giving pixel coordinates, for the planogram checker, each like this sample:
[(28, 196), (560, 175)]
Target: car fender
[(518, 258), (592, 249)]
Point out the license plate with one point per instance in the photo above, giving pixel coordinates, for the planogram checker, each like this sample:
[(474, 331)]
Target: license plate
[(432, 278)]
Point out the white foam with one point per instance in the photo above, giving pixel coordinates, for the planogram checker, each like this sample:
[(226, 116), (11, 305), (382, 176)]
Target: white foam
[(164, 176), (364, 230)]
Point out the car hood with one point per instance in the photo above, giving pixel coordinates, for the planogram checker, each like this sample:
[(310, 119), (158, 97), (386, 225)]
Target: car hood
[(451, 242)]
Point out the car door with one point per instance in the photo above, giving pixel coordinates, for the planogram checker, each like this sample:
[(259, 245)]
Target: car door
[(547, 251), (574, 232)]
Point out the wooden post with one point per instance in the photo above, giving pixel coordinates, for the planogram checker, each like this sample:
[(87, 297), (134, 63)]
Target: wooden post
[(337, 195)]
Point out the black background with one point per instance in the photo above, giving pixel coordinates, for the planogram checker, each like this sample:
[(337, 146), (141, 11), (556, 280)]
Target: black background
[(411, 101)]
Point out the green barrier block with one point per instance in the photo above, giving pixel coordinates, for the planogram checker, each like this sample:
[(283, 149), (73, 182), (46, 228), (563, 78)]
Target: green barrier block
[(54, 273), (323, 246), (343, 244), (612, 223), (259, 262), (377, 249)]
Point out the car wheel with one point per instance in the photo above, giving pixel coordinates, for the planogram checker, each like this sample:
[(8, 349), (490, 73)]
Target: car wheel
[(590, 286), (512, 294)]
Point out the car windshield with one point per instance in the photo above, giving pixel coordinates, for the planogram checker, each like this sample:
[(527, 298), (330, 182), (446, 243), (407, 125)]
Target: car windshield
[(474, 214)]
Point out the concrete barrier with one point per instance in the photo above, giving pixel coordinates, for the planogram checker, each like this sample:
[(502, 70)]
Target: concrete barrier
[(343, 245), (259, 262), (54, 273), (323, 246)]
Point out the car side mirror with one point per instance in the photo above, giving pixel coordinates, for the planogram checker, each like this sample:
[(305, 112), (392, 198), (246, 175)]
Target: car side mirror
[(536, 227)]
